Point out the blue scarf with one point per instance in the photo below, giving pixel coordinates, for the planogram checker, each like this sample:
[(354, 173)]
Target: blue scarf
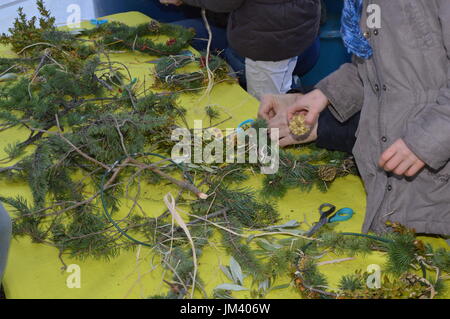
[(352, 35)]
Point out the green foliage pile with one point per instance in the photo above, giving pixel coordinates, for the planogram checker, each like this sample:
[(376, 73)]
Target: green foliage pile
[(405, 255), (119, 36), (167, 74)]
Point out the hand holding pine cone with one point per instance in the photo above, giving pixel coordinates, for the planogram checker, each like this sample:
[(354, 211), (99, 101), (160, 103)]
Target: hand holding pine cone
[(298, 127)]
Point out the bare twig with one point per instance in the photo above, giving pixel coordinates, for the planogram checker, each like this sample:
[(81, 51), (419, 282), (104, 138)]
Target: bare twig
[(182, 184), (336, 261)]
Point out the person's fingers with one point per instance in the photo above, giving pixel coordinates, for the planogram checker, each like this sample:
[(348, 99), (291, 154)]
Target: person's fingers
[(284, 131), (278, 120), (286, 141), (311, 118), (399, 159), (393, 163), (266, 115), (277, 133), (387, 155), (413, 170), (273, 135), (275, 123), (403, 167), (266, 107), (294, 109)]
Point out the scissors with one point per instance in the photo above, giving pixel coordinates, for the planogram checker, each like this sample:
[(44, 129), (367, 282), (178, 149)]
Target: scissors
[(244, 124), (98, 22), (327, 215)]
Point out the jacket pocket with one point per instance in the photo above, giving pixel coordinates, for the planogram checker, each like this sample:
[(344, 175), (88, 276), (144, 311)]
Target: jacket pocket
[(428, 207), (441, 176)]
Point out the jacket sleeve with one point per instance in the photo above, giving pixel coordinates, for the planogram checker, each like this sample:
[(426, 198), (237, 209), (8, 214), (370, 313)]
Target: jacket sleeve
[(216, 5), (344, 89), (428, 134), (334, 135)]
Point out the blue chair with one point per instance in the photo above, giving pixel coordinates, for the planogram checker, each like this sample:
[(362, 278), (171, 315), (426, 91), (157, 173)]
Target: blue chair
[(332, 53)]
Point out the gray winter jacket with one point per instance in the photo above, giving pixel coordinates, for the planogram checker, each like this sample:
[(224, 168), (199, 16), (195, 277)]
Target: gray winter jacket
[(5, 239), (403, 91), (268, 30)]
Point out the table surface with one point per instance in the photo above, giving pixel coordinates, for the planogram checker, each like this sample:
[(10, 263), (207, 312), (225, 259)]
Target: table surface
[(34, 270)]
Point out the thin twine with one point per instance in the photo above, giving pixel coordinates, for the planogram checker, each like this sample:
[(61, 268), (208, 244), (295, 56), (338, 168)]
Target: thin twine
[(208, 53)]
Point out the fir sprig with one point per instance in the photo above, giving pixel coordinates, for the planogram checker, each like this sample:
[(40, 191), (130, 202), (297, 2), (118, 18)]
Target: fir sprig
[(119, 36)]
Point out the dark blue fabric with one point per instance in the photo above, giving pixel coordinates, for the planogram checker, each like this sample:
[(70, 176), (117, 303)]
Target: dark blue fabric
[(352, 35), (151, 8), (334, 135), (237, 63), (308, 59)]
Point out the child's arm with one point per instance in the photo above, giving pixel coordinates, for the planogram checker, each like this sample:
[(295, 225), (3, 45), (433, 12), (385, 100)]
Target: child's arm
[(428, 134), (344, 90), (216, 5)]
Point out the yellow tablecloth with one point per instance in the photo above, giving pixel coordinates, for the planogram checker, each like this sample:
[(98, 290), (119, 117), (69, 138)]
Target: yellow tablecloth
[(34, 270)]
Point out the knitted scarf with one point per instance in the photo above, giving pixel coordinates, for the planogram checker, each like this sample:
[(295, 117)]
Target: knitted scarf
[(352, 35)]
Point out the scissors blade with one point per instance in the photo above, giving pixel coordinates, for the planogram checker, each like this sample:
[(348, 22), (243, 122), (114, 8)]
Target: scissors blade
[(324, 217), (316, 227)]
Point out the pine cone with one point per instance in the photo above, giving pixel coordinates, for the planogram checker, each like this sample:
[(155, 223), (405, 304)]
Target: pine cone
[(327, 173), (348, 165), (298, 127), (154, 26)]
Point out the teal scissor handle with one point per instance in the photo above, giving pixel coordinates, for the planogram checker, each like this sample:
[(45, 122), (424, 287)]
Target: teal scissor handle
[(186, 53), (98, 21), (342, 215), (246, 122)]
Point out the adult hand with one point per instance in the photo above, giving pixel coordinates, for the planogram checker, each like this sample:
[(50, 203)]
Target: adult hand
[(173, 2), (311, 104), (271, 104), (400, 160)]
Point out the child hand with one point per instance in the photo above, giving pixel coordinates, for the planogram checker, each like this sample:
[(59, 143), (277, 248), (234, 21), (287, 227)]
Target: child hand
[(312, 104), (400, 160), (271, 105), (174, 2)]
